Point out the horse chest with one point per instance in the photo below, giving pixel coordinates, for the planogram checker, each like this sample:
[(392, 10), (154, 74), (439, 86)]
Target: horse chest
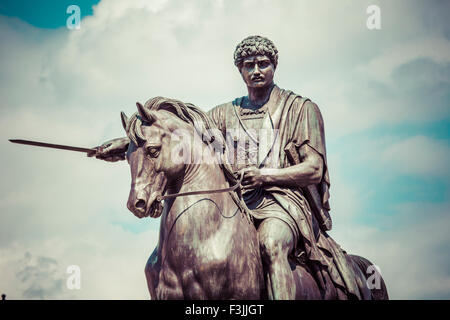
[(199, 242), (193, 267), (202, 252)]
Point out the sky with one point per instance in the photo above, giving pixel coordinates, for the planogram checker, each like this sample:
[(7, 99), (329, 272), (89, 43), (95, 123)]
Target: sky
[(383, 93)]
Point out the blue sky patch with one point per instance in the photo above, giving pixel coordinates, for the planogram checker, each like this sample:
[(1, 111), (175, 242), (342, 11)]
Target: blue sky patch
[(44, 13)]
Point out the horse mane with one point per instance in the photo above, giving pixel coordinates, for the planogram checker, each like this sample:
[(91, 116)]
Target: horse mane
[(188, 113)]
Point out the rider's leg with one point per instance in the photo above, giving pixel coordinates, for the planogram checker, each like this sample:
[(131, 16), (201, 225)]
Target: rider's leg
[(276, 242)]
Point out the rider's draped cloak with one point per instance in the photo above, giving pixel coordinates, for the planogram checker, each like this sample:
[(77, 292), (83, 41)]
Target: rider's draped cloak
[(288, 118)]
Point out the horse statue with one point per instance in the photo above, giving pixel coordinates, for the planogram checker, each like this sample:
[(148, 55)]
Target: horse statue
[(208, 246)]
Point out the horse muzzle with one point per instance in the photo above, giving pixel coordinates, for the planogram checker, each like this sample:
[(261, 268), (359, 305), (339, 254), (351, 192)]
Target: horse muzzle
[(141, 208), (143, 199)]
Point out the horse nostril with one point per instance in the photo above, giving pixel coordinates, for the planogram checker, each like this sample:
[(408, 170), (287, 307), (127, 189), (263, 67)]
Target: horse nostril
[(140, 204)]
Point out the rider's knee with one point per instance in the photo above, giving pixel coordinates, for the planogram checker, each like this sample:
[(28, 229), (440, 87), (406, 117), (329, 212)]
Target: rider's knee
[(275, 240), (271, 249)]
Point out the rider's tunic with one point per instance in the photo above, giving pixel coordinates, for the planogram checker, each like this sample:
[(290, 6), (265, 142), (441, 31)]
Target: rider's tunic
[(259, 138)]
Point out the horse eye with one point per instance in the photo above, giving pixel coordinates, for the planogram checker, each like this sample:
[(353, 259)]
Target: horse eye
[(153, 151)]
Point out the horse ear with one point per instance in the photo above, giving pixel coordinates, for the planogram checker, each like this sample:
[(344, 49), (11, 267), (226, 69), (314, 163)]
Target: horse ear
[(141, 110), (147, 115), (124, 118)]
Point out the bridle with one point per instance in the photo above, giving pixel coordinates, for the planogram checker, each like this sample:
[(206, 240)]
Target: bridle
[(190, 193)]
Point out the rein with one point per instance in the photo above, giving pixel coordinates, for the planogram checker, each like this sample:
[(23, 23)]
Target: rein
[(190, 193)]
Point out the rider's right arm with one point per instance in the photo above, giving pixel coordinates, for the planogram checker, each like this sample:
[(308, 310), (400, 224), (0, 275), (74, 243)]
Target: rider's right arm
[(308, 172), (112, 150)]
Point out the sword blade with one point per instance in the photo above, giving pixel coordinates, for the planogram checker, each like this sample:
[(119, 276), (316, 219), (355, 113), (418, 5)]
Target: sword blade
[(51, 145)]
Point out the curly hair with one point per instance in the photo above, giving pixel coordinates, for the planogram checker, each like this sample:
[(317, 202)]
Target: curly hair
[(255, 45)]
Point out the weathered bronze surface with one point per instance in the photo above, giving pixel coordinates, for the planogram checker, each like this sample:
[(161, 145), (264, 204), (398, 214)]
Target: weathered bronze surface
[(267, 240)]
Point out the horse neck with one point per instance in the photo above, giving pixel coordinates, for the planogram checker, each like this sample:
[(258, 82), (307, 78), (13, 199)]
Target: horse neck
[(204, 176), (203, 172), (198, 177)]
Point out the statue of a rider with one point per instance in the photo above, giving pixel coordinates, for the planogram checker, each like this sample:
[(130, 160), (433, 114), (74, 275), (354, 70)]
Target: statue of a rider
[(277, 138)]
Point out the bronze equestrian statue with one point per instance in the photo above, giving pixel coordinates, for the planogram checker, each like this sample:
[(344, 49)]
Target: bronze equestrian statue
[(263, 235)]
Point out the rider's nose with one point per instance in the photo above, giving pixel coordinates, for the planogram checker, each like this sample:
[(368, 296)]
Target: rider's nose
[(140, 204), (256, 71)]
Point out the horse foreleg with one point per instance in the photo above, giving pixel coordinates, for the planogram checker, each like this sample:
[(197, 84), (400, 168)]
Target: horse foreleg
[(163, 284), (152, 269)]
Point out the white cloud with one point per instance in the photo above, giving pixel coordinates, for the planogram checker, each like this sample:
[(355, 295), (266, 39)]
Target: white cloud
[(111, 262), (68, 87), (418, 155), (382, 66), (412, 253), (66, 207)]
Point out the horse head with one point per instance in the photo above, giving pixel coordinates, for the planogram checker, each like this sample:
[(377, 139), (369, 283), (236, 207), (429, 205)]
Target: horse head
[(149, 155), (168, 138)]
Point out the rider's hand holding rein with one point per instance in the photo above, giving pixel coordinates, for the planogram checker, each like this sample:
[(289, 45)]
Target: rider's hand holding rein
[(112, 150), (253, 178)]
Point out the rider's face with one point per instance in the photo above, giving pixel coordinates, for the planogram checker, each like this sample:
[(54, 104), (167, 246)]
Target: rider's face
[(257, 71)]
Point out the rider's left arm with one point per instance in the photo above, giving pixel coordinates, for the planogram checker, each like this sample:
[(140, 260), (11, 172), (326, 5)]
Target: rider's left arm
[(308, 172)]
